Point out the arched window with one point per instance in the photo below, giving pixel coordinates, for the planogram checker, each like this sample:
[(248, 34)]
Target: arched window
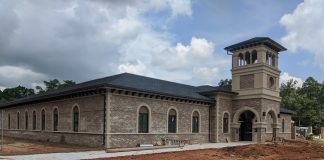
[(240, 60), (55, 119), (283, 125), (269, 58), (75, 119), (34, 120), (195, 122), (143, 120), (271, 83), (247, 58), (273, 60), (172, 121), (18, 120), (8, 121), (26, 120), (254, 57), (43, 120), (225, 123)]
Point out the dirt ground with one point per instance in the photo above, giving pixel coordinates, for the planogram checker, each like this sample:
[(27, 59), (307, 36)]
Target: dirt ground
[(292, 150), (14, 146)]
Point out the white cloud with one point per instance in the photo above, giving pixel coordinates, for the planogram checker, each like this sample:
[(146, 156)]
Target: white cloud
[(305, 29), (285, 77), (14, 74)]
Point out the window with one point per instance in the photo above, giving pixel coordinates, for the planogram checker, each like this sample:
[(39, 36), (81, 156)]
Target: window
[(195, 122), (225, 123), (8, 121), (26, 120), (247, 58), (254, 57), (43, 120), (75, 119), (55, 119), (240, 60), (34, 120), (172, 121), (273, 60), (270, 59), (271, 83), (18, 118), (283, 125), (143, 120)]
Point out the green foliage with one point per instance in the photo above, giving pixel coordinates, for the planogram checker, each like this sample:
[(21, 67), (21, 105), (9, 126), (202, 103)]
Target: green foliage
[(307, 101), (54, 84), (225, 82), (10, 94)]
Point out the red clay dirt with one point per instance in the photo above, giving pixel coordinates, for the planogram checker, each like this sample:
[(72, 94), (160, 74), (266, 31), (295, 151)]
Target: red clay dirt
[(14, 146), (292, 150)]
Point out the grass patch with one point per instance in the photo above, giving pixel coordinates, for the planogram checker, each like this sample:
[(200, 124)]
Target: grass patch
[(318, 142)]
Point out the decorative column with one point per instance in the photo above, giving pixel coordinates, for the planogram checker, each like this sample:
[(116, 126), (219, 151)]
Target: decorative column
[(235, 131), (259, 132), (275, 130)]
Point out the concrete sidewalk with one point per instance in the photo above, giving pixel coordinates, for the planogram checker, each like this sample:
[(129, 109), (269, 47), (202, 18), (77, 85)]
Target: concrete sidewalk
[(103, 154)]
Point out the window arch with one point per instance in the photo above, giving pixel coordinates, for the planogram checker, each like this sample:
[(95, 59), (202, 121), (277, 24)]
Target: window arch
[(8, 121), (195, 122), (172, 121), (26, 120), (254, 57), (55, 119), (34, 120), (269, 58), (247, 58), (271, 83), (225, 122), (76, 118), (18, 120), (273, 60), (240, 59), (143, 120), (43, 119)]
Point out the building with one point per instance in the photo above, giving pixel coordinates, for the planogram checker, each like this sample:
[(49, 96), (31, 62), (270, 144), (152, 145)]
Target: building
[(126, 109)]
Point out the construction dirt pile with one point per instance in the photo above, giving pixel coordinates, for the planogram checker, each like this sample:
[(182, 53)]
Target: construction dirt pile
[(294, 150)]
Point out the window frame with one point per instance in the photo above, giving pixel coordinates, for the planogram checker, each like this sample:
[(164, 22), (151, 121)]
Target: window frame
[(140, 119), (43, 119), (75, 128), (195, 129), (176, 121), (226, 130), (34, 121), (55, 119), (26, 119)]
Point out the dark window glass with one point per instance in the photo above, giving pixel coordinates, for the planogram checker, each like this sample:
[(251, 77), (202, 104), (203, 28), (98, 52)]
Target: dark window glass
[(254, 57), (76, 119), (247, 58), (143, 120), (8, 121), (18, 120), (26, 120), (43, 120), (172, 126), (34, 120), (283, 126), (225, 123), (195, 122), (55, 119)]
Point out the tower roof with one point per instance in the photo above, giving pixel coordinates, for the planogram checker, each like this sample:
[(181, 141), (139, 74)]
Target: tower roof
[(257, 41)]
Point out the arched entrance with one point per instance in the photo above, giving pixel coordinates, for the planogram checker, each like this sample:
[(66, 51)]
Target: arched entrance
[(246, 123)]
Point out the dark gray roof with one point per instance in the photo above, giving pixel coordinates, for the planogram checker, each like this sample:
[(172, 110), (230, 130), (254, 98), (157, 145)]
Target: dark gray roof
[(129, 82), (257, 40), (286, 111)]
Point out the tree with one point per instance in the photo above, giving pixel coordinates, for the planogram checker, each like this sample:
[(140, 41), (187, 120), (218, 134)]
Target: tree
[(54, 84), (10, 94), (225, 82)]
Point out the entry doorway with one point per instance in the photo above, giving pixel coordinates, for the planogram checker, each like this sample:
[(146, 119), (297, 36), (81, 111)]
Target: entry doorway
[(246, 130)]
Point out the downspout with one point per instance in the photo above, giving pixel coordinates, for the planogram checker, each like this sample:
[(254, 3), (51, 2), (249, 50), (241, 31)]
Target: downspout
[(104, 121)]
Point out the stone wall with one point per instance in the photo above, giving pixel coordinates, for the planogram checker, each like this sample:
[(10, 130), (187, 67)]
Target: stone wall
[(90, 124), (225, 106), (123, 114)]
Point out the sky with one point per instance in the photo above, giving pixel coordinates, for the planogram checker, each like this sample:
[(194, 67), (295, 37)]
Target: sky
[(176, 40)]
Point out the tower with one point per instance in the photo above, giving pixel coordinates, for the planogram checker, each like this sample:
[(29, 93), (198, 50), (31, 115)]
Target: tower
[(255, 72)]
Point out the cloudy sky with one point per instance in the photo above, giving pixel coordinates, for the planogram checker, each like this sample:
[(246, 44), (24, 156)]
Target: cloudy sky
[(177, 40)]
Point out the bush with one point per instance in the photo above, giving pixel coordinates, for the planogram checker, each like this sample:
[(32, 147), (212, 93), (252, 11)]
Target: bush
[(310, 136)]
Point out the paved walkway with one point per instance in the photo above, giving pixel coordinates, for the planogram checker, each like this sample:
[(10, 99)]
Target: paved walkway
[(103, 154)]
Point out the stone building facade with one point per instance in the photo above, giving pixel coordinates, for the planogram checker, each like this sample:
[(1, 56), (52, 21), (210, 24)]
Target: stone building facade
[(125, 110)]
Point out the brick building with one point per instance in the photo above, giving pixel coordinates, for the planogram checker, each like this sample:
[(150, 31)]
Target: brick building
[(126, 109)]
